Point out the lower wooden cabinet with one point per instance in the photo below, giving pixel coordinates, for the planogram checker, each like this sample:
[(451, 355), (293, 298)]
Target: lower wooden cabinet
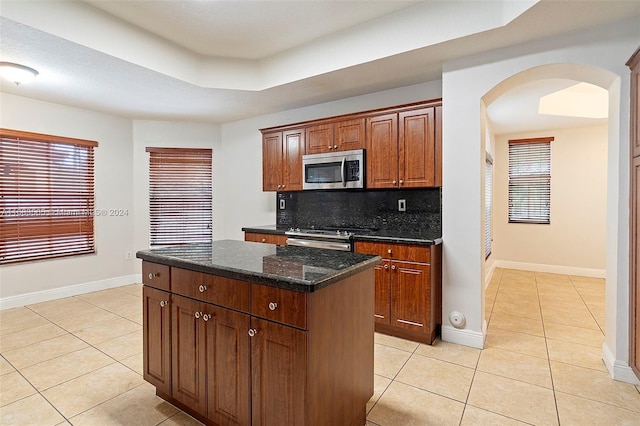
[(280, 240), (407, 290), (156, 321), (311, 364)]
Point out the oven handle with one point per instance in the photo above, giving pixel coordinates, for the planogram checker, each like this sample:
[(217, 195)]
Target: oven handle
[(330, 245), (344, 182)]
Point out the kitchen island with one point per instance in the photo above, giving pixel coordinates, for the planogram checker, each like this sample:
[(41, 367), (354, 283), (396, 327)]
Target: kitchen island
[(243, 333)]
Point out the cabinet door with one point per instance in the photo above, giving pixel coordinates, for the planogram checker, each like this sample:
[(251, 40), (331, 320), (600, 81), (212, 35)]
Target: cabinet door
[(228, 366), (278, 372), (188, 340), (410, 295), (319, 139), (272, 161), (438, 177), (293, 148), (635, 265), (156, 320), (382, 310), (417, 148), (349, 134), (382, 151)]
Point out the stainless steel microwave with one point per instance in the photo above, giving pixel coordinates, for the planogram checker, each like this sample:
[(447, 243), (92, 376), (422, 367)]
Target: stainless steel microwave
[(333, 170)]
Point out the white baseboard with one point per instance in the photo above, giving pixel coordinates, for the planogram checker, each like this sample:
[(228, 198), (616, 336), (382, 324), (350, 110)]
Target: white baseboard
[(489, 273), (618, 370), (553, 269), (72, 290), (474, 339)]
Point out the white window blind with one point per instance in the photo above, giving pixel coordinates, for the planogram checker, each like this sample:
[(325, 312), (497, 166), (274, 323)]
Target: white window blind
[(180, 196), (46, 196), (488, 206), (530, 180)]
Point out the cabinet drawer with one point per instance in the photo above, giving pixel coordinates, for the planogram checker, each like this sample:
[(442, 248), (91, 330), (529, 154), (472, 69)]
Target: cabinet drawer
[(221, 291), (284, 306), (155, 275), (408, 252), (266, 238)]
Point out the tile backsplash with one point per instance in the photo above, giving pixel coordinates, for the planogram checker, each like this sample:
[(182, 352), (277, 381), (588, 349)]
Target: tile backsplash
[(377, 210)]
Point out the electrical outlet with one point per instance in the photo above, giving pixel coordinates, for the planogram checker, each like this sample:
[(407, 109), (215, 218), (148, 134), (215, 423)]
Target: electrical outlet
[(128, 255), (402, 205)]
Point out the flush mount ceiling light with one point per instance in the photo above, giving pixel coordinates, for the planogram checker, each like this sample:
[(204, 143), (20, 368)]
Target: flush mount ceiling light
[(16, 73)]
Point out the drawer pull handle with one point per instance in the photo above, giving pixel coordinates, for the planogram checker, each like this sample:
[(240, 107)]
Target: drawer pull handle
[(252, 332), (273, 306), (202, 288), (152, 276), (198, 315), (163, 303), (206, 317)]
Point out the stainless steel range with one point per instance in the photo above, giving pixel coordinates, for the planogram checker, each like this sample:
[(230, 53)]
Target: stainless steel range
[(320, 238)]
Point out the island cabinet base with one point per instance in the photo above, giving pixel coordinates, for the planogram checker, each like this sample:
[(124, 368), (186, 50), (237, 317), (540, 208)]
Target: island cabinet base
[(277, 358)]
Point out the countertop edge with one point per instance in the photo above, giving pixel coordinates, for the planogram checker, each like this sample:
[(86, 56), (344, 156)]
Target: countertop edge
[(259, 278)]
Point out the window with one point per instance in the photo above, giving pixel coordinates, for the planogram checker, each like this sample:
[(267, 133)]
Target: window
[(179, 196), (530, 180), (46, 196), (488, 205)]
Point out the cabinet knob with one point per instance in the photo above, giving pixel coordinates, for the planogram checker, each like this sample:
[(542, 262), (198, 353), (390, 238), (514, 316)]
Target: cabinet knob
[(329, 147), (264, 240), (393, 267), (197, 315), (401, 181), (283, 185), (202, 288), (273, 306), (152, 276), (163, 303), (394, 182), (389, 251), (335, 147), (386, 266), (252, 332), (279, 186), (206, 317)]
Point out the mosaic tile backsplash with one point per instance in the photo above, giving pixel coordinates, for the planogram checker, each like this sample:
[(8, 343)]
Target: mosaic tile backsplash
[(374, 210)]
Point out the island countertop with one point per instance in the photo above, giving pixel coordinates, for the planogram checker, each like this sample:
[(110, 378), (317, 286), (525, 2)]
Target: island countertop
[(293, 268)]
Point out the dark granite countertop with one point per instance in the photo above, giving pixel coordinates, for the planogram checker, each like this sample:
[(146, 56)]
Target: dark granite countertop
[(383, 236), (292, 268)]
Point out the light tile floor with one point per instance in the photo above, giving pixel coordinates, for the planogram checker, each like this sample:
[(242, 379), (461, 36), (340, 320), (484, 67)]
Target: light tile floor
[(79, 361)]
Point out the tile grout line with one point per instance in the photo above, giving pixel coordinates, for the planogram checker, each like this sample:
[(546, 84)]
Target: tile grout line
[(587, 306)]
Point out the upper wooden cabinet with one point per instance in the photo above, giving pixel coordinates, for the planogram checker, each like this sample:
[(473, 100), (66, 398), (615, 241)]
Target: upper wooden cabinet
[(282, 160), (401, 149), (403, 146)]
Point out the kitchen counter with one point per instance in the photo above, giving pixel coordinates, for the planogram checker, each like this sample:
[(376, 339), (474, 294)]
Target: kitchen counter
[(382, 236), (291, 268)]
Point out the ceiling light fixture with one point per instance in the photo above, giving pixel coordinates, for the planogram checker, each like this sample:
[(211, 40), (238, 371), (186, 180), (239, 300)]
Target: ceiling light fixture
[(16, 73)]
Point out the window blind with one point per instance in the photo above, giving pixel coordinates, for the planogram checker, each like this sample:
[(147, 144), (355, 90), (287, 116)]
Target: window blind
[(46, 196), (180, 196), (488, 206), (530, 180)]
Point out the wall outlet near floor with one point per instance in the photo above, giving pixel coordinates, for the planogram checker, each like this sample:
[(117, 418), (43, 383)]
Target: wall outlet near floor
[(128, 255), (402, 205)]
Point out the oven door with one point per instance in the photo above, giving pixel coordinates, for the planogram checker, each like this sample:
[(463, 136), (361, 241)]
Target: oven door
[(335, 170)]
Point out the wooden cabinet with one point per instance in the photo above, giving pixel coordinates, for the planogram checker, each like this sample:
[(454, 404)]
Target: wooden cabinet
[(407, 289), (279, 357), (634, 267), (343, 135), (156, 325), (403, 146), (280, 240), (282, 160), (401, 149)]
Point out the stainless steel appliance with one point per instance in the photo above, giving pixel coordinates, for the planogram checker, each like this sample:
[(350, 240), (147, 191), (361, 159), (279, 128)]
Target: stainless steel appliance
[(333, 170), (325, 239)]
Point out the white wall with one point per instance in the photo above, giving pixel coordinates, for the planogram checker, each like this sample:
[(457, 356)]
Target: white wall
[(171, 135), (597, 57), (575, 241), (42, 280)]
